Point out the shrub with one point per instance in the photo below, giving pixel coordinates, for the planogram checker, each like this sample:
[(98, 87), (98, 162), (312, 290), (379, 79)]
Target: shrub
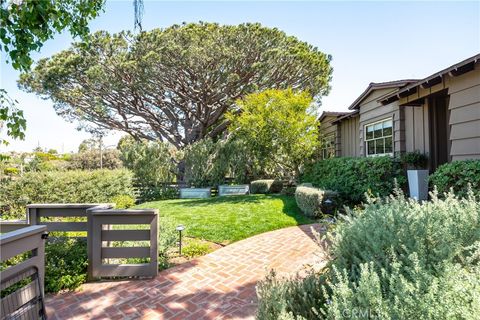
[(266, 186), (299, 296), (311, 200), (167, 239), (388, 231), (152, 192), (123, 201), (10, 171), (195, 248), (90, 159), (276, 186), (64, 187), (151, 162), (353, 177), (201, 166), (414, 160), (65, 264), (457, 175), (396, 259)]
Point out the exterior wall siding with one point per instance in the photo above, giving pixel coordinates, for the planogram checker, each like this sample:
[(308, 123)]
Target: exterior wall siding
[(411, 123), (464, 107), (349, 137), (327, 128), (371, 111), (416, 129)]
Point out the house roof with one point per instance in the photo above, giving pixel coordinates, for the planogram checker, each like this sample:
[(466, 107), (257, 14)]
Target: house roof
[(347, 116), (454, 70), (380, 85), (332, 114)]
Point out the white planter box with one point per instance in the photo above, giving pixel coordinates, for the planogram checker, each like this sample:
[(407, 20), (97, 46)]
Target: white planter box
[(226, 190), (195, 193), (418, 184)]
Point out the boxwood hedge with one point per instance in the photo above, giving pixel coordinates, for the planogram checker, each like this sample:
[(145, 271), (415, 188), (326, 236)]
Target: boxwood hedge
[(353, 177)]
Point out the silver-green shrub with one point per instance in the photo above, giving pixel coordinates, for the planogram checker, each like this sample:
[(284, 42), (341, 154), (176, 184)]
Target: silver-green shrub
[(394, 259), (310, 200), (391, 230)]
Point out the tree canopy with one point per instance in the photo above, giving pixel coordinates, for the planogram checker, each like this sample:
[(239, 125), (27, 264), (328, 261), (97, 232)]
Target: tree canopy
[(26, 25), (278, 128), (174, 84), (11, 118)]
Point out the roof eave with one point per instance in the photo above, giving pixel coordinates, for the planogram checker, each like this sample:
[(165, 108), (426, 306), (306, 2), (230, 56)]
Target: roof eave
[(454, 70)]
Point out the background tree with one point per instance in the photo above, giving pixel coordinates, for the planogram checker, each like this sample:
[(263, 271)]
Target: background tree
[(89, 153), (150, 161), (174, 84), (279, 129), (88, 144), (10, 118), (24, 27)]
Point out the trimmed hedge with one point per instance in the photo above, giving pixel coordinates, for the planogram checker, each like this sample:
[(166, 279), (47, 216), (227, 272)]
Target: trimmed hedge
[(266, 186), (457, 175), (63, 187), (353, 177), (311, 200)]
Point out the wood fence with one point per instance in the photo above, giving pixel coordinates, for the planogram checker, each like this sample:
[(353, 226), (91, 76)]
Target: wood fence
[(98, 235), (22, 284), (26, 236)]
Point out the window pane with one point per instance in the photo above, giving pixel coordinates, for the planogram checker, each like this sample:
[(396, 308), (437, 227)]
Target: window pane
[(379, 146), (369, 133), (388, 145), (387, 128), (377, 133), (371, 147)]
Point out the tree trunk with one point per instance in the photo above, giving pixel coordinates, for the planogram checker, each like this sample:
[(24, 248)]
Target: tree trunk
[(181, 172)]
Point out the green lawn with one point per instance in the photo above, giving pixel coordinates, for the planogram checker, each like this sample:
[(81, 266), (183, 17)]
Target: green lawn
[(230, 218)]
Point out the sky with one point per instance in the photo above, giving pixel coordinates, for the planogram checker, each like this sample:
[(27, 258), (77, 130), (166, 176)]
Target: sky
[(369, 42)]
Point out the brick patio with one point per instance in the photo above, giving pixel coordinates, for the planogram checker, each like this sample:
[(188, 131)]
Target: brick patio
[(220, 285)]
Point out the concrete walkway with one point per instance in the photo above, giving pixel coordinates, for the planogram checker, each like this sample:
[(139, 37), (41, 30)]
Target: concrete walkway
[(220, 285)]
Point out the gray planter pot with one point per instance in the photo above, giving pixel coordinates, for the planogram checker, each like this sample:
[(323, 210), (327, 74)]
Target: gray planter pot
[(193, 193), (226, 190), (418, 184)]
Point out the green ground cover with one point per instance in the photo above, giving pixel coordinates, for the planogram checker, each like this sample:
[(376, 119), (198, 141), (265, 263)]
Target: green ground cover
[(228, 219)]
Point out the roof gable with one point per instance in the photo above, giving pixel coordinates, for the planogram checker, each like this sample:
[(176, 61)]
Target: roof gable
[(378, 86), (332, 114)]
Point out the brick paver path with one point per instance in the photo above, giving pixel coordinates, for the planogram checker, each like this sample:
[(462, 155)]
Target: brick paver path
[(220, 285)]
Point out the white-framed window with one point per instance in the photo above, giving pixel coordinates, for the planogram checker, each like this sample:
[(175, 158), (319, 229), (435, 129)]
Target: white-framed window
[(328, 146), (379, 138)]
